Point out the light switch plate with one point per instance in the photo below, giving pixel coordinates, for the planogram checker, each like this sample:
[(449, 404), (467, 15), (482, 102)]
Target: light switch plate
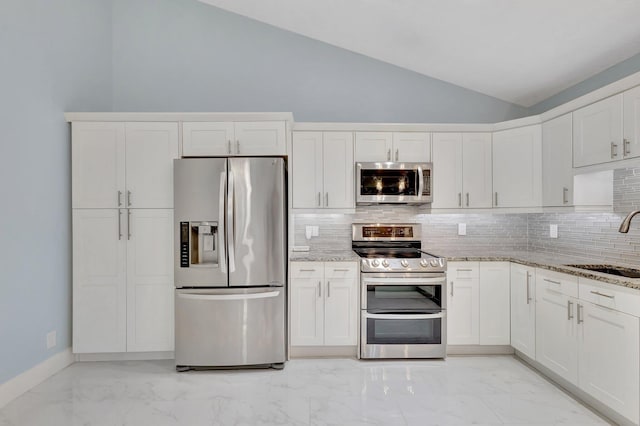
[(553, 231), (462, 229)]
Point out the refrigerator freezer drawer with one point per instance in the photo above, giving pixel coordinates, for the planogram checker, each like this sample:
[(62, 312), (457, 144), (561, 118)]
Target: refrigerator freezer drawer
[(230, 327)]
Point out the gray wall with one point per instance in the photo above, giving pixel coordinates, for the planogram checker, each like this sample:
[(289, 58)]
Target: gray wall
[(188, 56), (56, 57), (616, 72)]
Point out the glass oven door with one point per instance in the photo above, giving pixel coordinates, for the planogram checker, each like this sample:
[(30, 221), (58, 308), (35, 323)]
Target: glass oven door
[(403, 329)]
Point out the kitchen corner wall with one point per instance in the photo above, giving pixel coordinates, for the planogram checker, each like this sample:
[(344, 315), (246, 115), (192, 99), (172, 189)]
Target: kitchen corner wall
[(594, 235)]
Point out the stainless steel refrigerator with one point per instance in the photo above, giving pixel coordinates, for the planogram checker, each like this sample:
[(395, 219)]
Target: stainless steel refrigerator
[(230, 262)]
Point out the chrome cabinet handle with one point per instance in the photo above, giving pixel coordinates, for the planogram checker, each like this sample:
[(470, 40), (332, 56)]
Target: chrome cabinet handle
[(397, 155), (319, 200), (467, 199), (528, 298), (328, 289), (601, 294), (626, 147), (565, 195), (119, 198), (128, 224), (496, 196), (119, 224), (451, 288), (326, 197), (569, 313), (319, 289), (551, 281), (389, 154), (341, 270), (464, 270), (238, 146), (459, 199), (229, 146), (307, 270), (614, 147), (580, 319), (128, 198)]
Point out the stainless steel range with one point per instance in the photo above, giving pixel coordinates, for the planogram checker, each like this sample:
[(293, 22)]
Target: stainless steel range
[(403, 293)]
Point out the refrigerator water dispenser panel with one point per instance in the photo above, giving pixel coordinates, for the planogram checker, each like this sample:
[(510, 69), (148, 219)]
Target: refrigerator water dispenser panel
[(198, 244)]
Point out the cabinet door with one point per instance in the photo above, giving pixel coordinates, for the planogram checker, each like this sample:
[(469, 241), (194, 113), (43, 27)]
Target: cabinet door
[(476, 170), (150, 285), (517, 167), (557, 175), (523, 313), (260, 138), (307, 307), (203, 139), (339, 179), (97, 165), (631, 123), (374, 146), (306, 170), (463, 304), (608, 358), (597, 132), (447, 170), (99, 285), (411, 147), (341, 304), (495, 317), (150, 151), (556, 334)]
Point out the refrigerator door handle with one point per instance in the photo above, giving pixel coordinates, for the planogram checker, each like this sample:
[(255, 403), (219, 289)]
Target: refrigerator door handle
[(231, 222), (239, 296), (222, 240)]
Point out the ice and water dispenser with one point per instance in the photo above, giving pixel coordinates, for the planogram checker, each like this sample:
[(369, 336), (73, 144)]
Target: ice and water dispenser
[(198, 244)]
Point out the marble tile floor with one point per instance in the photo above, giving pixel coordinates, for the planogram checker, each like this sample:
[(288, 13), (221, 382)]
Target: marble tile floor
[(491, 390)]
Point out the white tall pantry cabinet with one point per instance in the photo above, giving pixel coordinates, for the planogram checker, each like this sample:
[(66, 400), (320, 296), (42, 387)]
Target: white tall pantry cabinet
[(122, 198)]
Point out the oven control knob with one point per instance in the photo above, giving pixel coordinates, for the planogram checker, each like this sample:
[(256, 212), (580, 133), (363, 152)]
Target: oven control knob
[(375, 263), (385, 263), (424, 263), (434, 262), (404, 263)]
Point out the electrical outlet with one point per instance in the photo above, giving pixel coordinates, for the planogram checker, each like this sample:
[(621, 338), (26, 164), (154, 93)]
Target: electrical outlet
[(462, 229), (553, 231), (315, 231), (51, 339)]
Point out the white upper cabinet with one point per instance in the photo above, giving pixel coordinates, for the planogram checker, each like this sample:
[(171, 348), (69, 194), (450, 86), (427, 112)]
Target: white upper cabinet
[(631, 132), (462, 170), (517, 167), (393, 146), (557, 169), (597, 132), (239, 138), (119, 165), (322, 170)]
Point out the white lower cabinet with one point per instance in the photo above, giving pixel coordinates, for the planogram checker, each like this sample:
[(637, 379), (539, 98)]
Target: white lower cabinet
[(478, 303), (523, 312), (122, 280), (324, 303)]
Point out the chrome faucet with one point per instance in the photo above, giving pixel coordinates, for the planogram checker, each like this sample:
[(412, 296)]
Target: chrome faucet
[(624, 226)]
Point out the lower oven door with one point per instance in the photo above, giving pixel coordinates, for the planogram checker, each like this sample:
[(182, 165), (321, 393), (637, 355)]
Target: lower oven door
[(403, 335)]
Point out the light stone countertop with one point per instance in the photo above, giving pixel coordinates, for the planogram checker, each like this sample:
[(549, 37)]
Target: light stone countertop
[(553, 262)]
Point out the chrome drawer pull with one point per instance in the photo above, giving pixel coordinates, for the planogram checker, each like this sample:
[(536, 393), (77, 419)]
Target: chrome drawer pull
[(601, 294), (464, 270), (551, 281), (341, 270), (307, 270)]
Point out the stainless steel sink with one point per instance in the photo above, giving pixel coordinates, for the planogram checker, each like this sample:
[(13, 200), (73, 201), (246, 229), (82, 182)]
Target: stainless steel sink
[(611, 269)]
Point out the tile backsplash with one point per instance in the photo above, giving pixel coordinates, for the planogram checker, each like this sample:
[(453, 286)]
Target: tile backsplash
[(581, 234)]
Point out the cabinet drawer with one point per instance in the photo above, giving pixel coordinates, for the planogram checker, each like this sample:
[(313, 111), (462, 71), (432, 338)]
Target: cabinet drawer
[(557, 282), (610, 296), (463, 270), (306, 269), (336, 270)]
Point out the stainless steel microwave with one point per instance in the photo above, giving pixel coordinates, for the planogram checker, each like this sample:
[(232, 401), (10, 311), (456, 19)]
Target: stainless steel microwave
[(393, 183)]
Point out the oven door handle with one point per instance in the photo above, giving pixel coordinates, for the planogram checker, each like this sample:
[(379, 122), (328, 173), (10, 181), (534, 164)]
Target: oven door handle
[(403, 316), (404, 281)]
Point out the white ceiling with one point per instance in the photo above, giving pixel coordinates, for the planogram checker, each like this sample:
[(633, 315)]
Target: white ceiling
[(521, 51)]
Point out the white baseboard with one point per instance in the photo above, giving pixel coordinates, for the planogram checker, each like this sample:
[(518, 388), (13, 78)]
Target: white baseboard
[(24, 382), (479, 350), (323, 352), (125, 356)]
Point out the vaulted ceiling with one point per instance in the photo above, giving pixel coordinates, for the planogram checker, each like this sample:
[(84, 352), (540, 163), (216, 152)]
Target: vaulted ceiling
[(520, 51)]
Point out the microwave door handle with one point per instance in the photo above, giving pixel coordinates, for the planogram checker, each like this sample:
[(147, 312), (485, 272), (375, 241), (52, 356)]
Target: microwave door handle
[(222, 228), (420, 181), (402, 316)]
